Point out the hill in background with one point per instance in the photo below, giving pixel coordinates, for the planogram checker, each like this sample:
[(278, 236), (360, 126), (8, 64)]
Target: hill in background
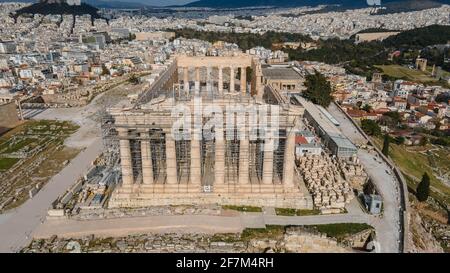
[(400, 5), (46, 8)]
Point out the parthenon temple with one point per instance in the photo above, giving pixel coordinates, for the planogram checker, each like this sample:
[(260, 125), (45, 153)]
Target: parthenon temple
[(243, 158)]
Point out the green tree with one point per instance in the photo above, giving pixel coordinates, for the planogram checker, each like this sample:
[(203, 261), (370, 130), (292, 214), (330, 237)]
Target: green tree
[(386, 145), (423, 141), (318, 89), (395, 116), (400, 140), (133, 79), (105, 70), (370, 127), (367, 108), (131, 37), (423, 189)]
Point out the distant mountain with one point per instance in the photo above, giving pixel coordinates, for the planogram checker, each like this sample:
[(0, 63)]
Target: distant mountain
[(18, 1), (274, 3), (46, 8), (298, 3), (96, 3), (392, 5), (115, 4)]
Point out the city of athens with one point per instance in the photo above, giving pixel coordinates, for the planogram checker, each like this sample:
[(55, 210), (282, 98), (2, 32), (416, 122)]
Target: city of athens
[(204, 130)]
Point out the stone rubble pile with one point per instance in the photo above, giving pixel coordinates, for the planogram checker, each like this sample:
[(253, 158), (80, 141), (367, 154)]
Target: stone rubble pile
[(90, 214), (323, 179), (353, 172), (292, 241)]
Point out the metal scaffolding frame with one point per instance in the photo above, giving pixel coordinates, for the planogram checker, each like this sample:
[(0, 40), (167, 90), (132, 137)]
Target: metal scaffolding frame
[(207, 155), (232, 148), (157, 142), (183, 154)]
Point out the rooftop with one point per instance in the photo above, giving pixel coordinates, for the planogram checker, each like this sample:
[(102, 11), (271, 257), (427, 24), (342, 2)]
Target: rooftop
[(282, 73), (342, 142)]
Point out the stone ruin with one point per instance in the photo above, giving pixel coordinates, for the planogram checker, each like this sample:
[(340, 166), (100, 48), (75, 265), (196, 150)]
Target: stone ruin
[(323, 178), (354, 173)]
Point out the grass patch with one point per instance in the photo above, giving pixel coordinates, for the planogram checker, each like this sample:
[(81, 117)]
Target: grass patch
[(296, 212), (414, 162), (243, 208), (42, 152), (6, 163), (401, 72), (339, 231), (307, 212), (270, 232), (286, 212), (25, 141)]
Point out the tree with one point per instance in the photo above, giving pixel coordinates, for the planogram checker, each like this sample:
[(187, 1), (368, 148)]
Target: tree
[(370, 127), (318, 89), (367, 108), (392, 118), (400, 140), (105, 70), (423, 141), (423, 189), (442, 97), (386, 145), (133, 79)]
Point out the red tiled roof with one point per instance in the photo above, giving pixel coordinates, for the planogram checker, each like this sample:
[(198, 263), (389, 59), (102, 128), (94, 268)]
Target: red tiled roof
[(382, 110), (399, 99), (300, 140), (356, 113)]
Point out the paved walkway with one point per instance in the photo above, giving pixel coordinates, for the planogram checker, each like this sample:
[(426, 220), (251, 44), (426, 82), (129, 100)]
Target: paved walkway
[(388, 226), (182, 224), (17, 226), (124, 226), (225, 223)]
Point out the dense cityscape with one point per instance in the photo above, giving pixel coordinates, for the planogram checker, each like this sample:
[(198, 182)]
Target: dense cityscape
[(260, 130)]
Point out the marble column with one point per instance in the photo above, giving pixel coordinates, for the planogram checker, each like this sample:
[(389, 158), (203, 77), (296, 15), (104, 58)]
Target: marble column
[(244, 80), (147, 166), (197, 79), (219, 164), (208, 79), (195, 163), (232, 75), (220, 80), (186, 79), (244, 161), (125, 157), (268, 167), (289, 159), (258, 86), (171, 160)]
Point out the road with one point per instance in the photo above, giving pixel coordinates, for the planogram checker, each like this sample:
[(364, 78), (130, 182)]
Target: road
[(224, 223), (18, 225), (388, 226)]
